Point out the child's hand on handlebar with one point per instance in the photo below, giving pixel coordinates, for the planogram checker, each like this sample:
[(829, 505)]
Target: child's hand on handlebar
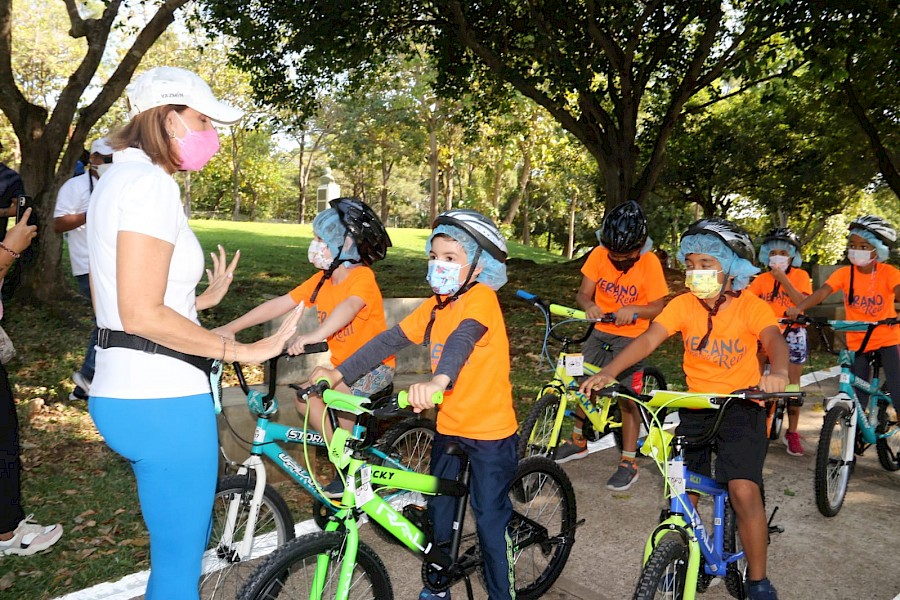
[(420, 394), (773, 383), (625, 316), (792, 312), (593, 312), (596, 382), (333, 376), (297, 344)]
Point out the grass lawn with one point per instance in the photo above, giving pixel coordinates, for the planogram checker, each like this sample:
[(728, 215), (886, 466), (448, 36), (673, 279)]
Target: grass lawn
[(71, 476)]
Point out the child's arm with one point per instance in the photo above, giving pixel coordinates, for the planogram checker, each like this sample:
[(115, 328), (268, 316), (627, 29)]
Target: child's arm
[(264, 312), (627, 314), (812, 300), (339, 318), (383, 345), (793, 293), (778, 353), (456, 352), (585, 298), (639, 349)]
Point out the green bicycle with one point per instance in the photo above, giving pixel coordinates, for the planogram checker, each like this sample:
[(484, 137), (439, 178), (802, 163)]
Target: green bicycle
[(541, 430), (336, 564)]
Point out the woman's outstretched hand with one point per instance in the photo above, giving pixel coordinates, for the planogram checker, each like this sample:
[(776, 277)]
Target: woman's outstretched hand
[(220, 278)]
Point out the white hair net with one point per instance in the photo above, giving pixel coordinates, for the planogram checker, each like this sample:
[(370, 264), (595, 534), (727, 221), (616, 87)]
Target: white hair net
[(881, 250), (493, 272), (765, 249), (327, 225), (740, 269)]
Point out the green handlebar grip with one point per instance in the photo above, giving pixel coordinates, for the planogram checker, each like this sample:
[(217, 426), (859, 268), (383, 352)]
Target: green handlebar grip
[(403, 398), (792, 387), (565, 311), (323, 380)]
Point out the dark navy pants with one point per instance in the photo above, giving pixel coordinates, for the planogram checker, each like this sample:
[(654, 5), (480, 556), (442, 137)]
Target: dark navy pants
[(493, 465)]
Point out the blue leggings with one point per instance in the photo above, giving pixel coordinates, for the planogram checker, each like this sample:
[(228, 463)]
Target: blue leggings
[(172, 444)]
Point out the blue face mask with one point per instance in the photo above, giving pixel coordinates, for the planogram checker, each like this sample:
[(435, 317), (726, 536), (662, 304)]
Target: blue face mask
[(443, 277)]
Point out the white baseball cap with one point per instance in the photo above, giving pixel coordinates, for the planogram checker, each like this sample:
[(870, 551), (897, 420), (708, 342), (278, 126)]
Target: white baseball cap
[(101, 146), (173, 85)]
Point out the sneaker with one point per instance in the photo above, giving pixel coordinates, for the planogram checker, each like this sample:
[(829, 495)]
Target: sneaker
[(31, 538), (427, 594), (571, 450), (335, 488), (761, 590), (82, 382), (77, 394), (625, 475), (792, 441)]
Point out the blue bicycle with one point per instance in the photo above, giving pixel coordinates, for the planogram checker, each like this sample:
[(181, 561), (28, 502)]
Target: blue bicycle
[(681, 556)]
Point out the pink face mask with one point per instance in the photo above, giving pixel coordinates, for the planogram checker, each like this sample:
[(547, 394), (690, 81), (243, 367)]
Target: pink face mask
[(197, 147)]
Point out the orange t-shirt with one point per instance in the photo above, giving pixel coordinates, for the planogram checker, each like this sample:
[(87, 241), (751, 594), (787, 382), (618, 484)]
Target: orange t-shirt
[(479, 405), (367, 323), (873, 300), (728, 362), (763, 285), (643, 283)]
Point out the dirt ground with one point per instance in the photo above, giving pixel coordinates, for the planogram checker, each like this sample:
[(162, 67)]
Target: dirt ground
[(852, 555)]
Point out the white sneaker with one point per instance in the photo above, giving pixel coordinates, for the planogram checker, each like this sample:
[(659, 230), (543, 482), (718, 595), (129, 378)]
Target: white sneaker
[(82, 382), (31, 538)]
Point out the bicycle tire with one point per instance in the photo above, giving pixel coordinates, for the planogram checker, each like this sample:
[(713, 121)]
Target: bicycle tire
[(537, 430), (736, 572), (832, 474), (653, 380), (777, 422), (541, 493), (888, 448), (288, 572), (274, 528), (664, 573)]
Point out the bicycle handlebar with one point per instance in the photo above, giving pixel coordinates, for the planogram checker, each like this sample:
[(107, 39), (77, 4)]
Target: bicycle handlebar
[(314, 348)]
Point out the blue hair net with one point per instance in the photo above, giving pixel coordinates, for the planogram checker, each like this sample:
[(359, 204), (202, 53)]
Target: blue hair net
[(734, 266), (327, 225), (765, 249), (881, 250), (493, 272)]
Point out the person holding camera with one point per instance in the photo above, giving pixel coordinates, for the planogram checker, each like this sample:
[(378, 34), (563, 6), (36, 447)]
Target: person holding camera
[(70, 218), (18, 533)]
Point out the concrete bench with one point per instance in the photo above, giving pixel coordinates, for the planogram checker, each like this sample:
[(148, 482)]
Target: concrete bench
[(413, 365)]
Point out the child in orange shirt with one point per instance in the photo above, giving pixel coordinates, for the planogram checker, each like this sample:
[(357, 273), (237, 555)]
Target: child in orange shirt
[(620, 276), (870, 290), (720, 327), (349, 238), (464, 329), (783, 286)]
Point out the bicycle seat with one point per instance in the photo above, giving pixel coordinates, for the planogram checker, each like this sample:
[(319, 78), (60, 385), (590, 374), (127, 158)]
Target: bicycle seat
[(454, 449)]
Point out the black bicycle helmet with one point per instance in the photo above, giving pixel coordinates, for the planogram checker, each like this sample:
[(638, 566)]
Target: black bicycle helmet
[(877, 227), (782, 234), (482, 230), (733, 235), (364, 226), (624, 228)]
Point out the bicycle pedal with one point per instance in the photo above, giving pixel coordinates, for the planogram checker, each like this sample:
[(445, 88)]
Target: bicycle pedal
[(775, 529)]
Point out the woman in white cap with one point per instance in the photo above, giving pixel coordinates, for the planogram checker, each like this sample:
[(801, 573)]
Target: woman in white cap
[(150, 396)]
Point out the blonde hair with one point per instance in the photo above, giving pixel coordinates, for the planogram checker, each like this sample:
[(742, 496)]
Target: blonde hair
[(147, 131)]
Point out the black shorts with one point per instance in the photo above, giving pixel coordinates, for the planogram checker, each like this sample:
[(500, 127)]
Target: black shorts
[(740, 445), (602, 347)]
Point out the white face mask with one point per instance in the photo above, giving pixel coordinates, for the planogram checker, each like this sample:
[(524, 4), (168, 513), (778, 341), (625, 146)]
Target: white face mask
[(703, 283), (443, 276), (860, 258), (319, 255), (779, 262), (101, 168)]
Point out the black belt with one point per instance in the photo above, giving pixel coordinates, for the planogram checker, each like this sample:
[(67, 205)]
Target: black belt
[(108, 338)]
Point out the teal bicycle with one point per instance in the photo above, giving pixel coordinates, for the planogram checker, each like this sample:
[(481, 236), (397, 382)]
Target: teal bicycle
[(336, 564), (851, 426), (250, 518)]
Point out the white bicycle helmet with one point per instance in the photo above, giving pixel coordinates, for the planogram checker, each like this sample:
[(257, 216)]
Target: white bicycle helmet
[(482, 230), (878, 227)]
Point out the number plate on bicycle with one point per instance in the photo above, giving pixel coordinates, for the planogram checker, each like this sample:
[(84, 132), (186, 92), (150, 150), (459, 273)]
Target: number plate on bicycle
[(574, 365), (675, 475), (363, 492)]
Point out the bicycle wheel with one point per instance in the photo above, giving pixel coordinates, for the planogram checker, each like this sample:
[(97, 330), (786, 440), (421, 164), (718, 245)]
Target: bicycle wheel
[(537, 430), (289, 572), (832, 471), (653, 380), (408, 442), (542, 529), (664, 573), (889, 447), (736, 572), (223, 571), (777, 420)]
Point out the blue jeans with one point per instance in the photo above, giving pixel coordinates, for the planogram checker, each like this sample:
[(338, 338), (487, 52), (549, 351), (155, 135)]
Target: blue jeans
[(493, 465), (87, 367), (172, 445)]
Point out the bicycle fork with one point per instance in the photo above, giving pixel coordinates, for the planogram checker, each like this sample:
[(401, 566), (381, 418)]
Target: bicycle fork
[(677, 525), (245, 546)]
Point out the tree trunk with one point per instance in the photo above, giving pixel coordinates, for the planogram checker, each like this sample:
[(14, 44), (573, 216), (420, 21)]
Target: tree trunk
[(235, 179), (526, 221), (433, 164), (570, 245), (882, 153), (524, 178), (188, 197)]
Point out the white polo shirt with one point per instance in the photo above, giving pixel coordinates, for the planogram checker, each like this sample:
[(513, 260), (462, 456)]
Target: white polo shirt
[(73, 199), (136, 195)]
